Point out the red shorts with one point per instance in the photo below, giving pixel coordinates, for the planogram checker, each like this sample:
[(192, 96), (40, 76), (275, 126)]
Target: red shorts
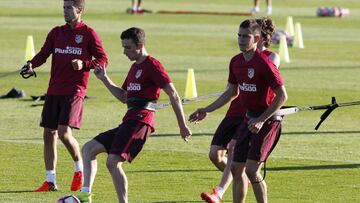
[(256, 147), (62, 110), (226, 131), (127, 140)]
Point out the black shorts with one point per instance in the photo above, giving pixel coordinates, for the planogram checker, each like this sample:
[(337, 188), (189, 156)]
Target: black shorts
[(226, 131), (62, 110), (126, 140), (256, 147)]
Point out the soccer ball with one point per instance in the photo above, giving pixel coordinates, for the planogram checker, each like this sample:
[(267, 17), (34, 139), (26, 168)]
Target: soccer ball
[(68, 199)]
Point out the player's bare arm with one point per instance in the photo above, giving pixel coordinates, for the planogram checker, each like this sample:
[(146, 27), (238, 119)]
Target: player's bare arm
[(175, 100), (229, 94), (280, 98), (115, 90), (275, 58)]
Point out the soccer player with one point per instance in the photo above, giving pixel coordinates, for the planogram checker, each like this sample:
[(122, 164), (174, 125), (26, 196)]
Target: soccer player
[(224, 138), (262, 93), (75, 48), (256, 8), (139, 91), (136, 7), (267, 31)]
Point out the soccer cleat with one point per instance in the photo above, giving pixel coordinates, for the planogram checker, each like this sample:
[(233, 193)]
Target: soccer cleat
[(214, 197), (268, 11), (255, 10), (47, 187), (138, 11), (77, 181), (84, 197)]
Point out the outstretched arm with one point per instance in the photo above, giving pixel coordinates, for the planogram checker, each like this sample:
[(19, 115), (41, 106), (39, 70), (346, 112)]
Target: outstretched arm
[(115, 90), (229, 94), (175, 100)]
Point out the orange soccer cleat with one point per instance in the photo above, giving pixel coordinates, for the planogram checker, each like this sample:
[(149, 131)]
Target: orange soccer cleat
[(214, 197), (77, 181), (47, 187)]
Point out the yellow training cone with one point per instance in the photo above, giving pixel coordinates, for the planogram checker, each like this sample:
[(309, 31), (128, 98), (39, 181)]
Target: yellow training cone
[(190, 89), (283, 50), (298, 39), (289, 26), (29, 49)]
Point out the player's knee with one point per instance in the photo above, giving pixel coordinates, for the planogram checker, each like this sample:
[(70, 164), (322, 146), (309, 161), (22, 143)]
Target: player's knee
[(63, 137), (216, 156), (237, 170), (86, 150), (112, 163), (50, 135), (253, 175), (213, 156)]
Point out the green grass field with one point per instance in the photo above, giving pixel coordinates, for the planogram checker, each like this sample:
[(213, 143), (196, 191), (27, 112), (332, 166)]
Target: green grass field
[(307, 165)]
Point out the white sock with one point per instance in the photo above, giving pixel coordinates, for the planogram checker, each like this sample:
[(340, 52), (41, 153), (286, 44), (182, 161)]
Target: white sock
[(78, 166), (220, 191), (51, 176), (257, 8), (85, 189)]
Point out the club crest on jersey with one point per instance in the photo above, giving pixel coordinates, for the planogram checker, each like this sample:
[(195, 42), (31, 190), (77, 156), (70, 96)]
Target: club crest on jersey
[(138, 73), (78, 39), (251, 72)]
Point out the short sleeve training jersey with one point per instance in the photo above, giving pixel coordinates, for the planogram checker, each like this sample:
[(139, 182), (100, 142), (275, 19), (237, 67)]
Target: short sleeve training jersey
[(145, 80), (236, 107), (65, 44), (256, 78)]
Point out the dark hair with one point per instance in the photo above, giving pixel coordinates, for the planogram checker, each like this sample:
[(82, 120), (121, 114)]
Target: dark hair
[(137, 35), (252, 25), (78, 3), (267, 29)]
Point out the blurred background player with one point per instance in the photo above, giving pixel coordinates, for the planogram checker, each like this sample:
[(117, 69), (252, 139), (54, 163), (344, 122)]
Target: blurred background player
[(268, 29), (136, 8), (222, 144), (75, 48), (140, 89), (256, 8)]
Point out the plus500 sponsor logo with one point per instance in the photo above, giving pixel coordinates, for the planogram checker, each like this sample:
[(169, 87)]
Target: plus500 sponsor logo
[(69, 50), (248, 87), (134, 87)]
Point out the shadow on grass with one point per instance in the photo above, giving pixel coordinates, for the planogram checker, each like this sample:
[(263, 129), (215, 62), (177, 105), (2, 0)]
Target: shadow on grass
[(173, 171), (283, 133), (208, 134), (87, 138), (176, 201), (16, 191), (176, 135), (321, 132), (318, 167), (283, 168)]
